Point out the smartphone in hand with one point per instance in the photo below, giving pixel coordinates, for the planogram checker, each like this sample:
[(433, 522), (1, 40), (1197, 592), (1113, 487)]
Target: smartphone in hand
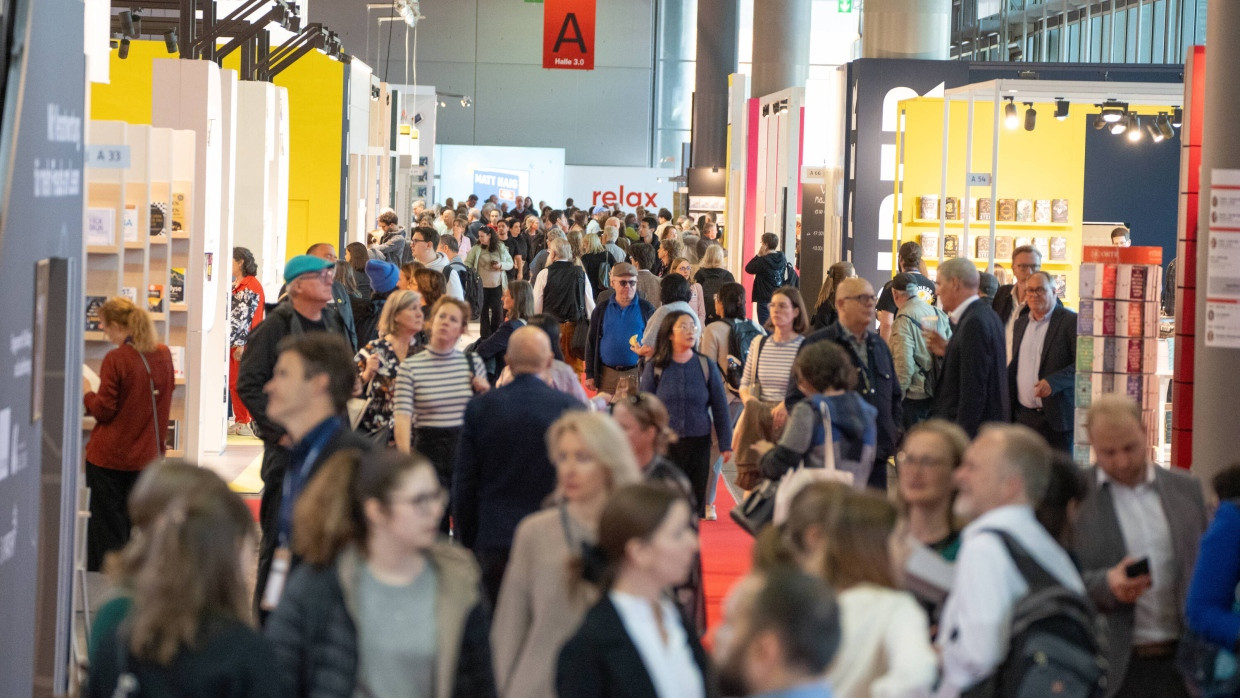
[(1138, 568)]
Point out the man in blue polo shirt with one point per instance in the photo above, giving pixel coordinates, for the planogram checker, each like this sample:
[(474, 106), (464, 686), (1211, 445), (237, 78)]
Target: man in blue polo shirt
[(618, 316)]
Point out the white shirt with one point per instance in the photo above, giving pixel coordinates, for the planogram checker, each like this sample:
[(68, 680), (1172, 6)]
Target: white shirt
[(1010, 328), (672, 669), (958, 313), (885, 647), (1147, 534), (1031, 360), (593, 227), (540, 286), (977, 616)]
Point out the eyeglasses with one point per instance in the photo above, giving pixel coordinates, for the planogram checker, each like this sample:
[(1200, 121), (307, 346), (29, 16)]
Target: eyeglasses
[(1035, 291), (324, 274), (417, 240), (426, 501), (1027, 267), (864, 299), (905, 460), (626, 282)]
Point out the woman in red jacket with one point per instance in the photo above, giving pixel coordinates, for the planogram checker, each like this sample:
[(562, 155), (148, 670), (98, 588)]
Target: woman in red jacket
[(248, 304), (131, 410)]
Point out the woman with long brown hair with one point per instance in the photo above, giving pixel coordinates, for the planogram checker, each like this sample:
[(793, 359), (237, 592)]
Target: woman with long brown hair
[(130, 408), (542, 599), (635, 637), (248, 307), (188, 629), (825, 313), (381, 606)]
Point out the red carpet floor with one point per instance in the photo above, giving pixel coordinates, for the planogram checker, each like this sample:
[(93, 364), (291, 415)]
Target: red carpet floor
[(725, 555)]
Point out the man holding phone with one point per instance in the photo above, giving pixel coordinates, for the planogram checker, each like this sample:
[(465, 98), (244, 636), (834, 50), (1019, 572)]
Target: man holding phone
[(1136, 539)]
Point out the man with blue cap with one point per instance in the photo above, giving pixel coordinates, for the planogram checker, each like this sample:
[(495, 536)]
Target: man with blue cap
[(308, 283)]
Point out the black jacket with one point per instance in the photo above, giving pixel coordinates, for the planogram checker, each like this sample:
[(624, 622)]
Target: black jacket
[(594, 361), (502, 471), (973, 383), (1005, 302), (768, 275), (601, 661), (564, 294), (314, 629), (258, 362), (879, 385), (711, 280), (1057, 366)]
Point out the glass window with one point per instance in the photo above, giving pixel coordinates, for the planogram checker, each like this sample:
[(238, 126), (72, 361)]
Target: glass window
[(1052, 44), (1095, 40), (674, 100), (1119, 25), (1130, 35), (1074, 42), (1145, 13), (1162, 52)]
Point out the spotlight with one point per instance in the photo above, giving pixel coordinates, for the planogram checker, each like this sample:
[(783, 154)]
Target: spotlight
[(1155, 133), (1061, 109), (131, 22), (1118, 126), (1113, 111), (1009, 112), (170, 40), (409, 11), (465, 102), (1099, 124), (1134, 128), (123, 53), (1177, 117), (443, 103), (1164, 125), (1031, 117)]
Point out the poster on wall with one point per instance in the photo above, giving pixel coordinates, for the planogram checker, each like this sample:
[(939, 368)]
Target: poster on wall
[(1223, 261), (506, 185), (568, 34)]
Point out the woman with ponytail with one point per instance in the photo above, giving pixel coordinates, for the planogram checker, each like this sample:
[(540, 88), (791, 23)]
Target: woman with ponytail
[(381, 607), (187, 630), (634, 641), (543, 597), (248, 304), (130, 407)]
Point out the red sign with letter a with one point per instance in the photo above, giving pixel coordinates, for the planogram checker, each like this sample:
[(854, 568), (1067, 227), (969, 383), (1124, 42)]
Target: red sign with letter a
[(568, 34)]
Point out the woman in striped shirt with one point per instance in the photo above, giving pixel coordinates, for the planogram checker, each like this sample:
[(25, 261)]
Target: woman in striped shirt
[(768, 369), (433, 387)]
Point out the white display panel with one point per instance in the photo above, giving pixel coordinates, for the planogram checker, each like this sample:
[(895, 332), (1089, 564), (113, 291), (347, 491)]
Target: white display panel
[(538, 172), (623, 187)]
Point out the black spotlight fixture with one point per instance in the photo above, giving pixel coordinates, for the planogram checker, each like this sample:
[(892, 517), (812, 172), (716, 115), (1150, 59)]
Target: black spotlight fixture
[(123, 51), (1152, 127), (1113, 111), (1031, 116), (170, 40), (1119, 125), (1177, 117), (1061, 109), (1009, 113), (1164, 125), (131, 23), (1099, 124), (1134, 128)]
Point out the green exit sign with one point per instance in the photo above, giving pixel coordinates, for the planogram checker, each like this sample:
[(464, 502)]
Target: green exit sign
[(845, 5)]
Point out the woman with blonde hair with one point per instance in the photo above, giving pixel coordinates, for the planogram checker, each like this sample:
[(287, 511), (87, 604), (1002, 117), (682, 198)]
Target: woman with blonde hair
[(682, 266), (188, 629), (825, 314), (712, 276), (594, 259), (543, 599), (381, 606), (378, 361), (131, 407)]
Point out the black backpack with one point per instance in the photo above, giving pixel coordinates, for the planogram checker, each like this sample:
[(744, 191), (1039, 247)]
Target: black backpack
[(1054, 646), (471, 285), (790, 276), (740, 338), (602, 280)]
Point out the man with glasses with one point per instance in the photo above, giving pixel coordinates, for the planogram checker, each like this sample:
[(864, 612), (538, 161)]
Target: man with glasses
[(617, 318), (494, 487), (1009, 302), (309, 284), (855, 301), (973, 383), (425, 244), (1042, 375)]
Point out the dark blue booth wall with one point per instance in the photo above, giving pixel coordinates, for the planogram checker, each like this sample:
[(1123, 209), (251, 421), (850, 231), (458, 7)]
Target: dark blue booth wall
[(1136, 183)]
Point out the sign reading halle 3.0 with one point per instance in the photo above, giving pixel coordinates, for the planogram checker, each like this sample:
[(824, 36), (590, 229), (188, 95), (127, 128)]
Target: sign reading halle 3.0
[(568, 34)]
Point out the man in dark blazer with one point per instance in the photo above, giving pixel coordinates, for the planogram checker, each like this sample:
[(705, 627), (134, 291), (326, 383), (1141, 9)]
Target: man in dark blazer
[(1009, 301), (877, 382), (502, 471), (1042, 373), (973, 382), (1137, 512)]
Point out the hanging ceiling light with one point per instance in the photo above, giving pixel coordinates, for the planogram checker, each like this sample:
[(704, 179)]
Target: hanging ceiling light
[(1164, 125), (1119, 125), (1113, 111), (466, 101), (1177, 117), (1134, 128), (1155, 134), (1061, 109), (131, 23), (1031, 117), (409, 10), (1009, 112), (1099, 124), (123, 51), (170, 40)]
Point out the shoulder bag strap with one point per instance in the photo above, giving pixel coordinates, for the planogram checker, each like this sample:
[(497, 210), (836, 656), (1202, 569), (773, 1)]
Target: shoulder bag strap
[(828, 434), (154, 409), (1036, 576)]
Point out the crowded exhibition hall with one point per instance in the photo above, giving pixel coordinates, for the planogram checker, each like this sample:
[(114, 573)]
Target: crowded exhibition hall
[(620, 349)]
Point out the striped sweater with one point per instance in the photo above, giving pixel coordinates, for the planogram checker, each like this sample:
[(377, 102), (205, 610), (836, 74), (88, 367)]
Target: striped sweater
[(434, 388)]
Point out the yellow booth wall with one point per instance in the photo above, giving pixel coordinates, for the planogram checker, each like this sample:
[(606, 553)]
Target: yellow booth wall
[(1046, 163), (316, 106)]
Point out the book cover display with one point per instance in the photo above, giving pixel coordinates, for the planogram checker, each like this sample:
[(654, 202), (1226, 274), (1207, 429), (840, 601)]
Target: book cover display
[(100, 227), (1003, 247), (1007, 210), (1024, 210), (176, 286), (984, 209), (951, 209), (155, 298), (93, 322), (928, 208), (1042, 211), (951, 246)]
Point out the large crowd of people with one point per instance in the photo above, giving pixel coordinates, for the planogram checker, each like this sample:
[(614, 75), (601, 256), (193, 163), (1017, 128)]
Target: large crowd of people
[(519, 516)]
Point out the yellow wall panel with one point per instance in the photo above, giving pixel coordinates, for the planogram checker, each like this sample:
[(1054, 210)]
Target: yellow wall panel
[(128, 96)]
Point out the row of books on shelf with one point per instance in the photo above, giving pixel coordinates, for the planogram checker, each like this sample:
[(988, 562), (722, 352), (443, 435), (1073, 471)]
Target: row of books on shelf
[(1116, 354), (1054, 249), (154, 298), (932, 207), (1108, 318), (1126, 282), (100, 223)]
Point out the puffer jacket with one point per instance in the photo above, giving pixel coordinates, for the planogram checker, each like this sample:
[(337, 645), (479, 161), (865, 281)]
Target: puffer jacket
[(314, 630), (909, 352), (854, 433)]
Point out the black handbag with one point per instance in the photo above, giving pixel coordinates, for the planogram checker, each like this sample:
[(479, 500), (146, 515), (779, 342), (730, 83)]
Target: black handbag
[(758, 509)]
